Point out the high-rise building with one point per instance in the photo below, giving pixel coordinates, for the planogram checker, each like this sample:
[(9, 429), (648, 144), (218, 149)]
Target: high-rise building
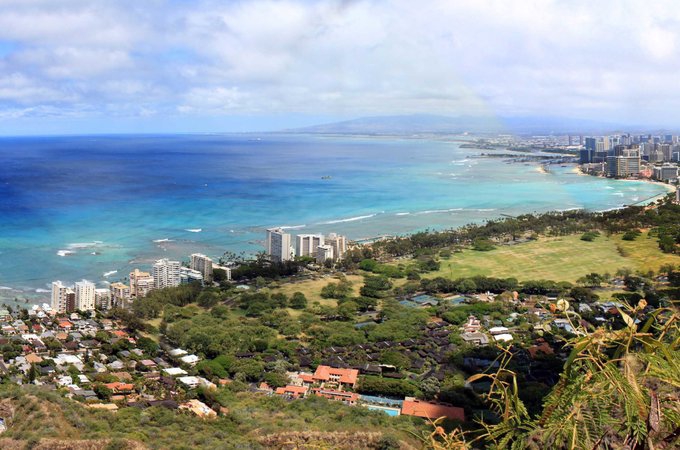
[(588, 153), (624, 162), (656, 156), (204, 265), (102, 299), (606, 143), (667, 151), (59, 296), (120, 295), (70, 300), (141, 283), (339, 245), (85, 295), (324, 253), (278, 245), (666, 172), (166, 273), (306, 244)]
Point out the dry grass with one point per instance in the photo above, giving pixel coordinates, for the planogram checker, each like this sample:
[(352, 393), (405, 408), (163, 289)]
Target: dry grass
[(312, 288)]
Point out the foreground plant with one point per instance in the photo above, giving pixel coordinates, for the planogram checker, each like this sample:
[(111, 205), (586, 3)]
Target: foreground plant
[(620, 389)]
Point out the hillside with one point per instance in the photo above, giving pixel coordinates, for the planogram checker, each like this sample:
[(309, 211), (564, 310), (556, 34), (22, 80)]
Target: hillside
[(407, 125)]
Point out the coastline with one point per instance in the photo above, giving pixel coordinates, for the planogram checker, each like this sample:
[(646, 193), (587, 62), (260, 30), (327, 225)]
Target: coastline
[(387, 191), (670, 189)]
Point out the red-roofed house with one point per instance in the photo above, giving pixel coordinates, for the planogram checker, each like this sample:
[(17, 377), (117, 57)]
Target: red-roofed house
[(292, 391), (120, 388), (341, 376), (432, 411), (65, 324), (307, 378), (543, 348), (349, 398)]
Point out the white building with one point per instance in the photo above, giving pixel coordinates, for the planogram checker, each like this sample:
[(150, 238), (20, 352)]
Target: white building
[(666, 172), (203, 264), (187, 275), (278, 245), (166, 273), (306, 244), (85, 295), (102, 299), (339, 244), (324, 253), (59, 296)]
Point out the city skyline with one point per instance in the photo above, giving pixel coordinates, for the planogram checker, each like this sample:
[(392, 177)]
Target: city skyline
[(208, 66)]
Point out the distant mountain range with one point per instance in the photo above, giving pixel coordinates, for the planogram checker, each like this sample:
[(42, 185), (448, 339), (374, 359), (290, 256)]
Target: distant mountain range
[(434, 124)]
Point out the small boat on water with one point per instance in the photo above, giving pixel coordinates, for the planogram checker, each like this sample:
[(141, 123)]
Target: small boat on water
[(326, 177)]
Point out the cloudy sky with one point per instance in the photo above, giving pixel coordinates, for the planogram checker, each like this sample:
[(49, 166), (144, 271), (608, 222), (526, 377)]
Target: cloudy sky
[(69, 66)]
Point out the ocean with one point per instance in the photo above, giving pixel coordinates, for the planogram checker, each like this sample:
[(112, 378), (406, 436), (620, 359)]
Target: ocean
[(94, 207)]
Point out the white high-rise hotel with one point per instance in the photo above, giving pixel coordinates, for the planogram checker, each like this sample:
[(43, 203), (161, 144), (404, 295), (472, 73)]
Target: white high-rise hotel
[(317, 246), (166, 273), (59, 296), (306, 244), (85, 295), (278, 245)]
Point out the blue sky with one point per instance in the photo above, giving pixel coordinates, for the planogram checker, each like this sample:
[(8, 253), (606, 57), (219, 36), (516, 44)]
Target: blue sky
[(77, 66)]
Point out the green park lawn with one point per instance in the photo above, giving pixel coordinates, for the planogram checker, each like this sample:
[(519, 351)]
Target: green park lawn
[(560, 259)]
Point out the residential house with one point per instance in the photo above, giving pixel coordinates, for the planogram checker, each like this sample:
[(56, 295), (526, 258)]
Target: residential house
[(431, 411)]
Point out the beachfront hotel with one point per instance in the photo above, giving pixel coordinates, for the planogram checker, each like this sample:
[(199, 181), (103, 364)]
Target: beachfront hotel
[(203, 264), (306, 244), (85, 295), (321, 248), (166, 273), (624, 162), (338, 244), (60, 294), (278, 245), (102, 299)]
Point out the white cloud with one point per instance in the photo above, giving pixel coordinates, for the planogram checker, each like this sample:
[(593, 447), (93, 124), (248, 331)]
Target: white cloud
[(607, 59)]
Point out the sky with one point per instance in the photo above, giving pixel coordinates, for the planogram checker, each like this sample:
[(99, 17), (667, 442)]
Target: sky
[(89, 66)]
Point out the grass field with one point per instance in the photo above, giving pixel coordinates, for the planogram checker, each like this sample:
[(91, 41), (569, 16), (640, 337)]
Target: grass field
[(559, 259), (312, 288)]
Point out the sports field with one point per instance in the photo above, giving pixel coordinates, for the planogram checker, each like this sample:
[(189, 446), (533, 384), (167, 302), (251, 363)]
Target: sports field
[(559, 259)]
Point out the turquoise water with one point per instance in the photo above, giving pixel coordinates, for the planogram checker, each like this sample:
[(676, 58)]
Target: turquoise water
[(94, 207)]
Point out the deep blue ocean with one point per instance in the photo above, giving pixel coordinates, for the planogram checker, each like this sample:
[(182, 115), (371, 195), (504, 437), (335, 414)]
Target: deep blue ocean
[(95, 206)]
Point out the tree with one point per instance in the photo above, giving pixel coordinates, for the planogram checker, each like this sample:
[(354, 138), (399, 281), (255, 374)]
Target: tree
[(102, 391), (219, 275), (347, 310), (483, 245), (396, 359), (149, 346), (208, 298), (430, 387), (376, 286), (212, 368), (276, 379), (298, 301)]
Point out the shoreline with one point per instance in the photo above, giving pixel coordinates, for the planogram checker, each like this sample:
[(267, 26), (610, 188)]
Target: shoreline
[(25, 296), (670, 189)]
